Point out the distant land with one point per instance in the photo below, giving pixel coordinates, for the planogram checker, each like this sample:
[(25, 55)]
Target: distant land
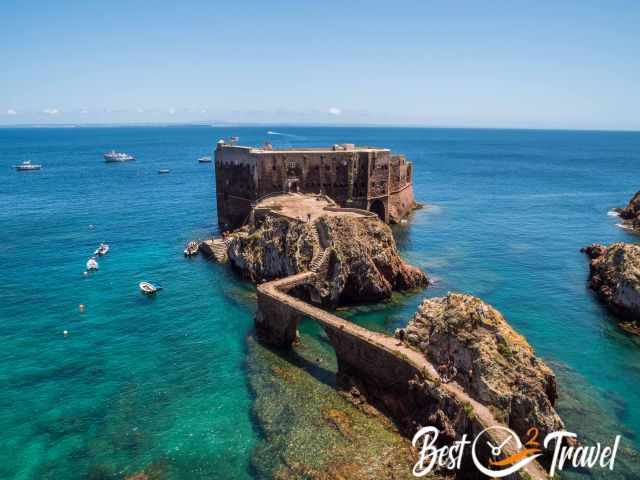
[(304, 125)]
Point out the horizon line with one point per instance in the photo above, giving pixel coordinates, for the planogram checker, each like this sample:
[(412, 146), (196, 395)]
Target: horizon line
[(223, 124)]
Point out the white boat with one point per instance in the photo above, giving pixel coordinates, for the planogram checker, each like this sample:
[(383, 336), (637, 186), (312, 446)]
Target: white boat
[(163, 171), (191, 249), (27, 166), (92, 264), (204, 159), (114, 156), (149, 288), (102, 249)]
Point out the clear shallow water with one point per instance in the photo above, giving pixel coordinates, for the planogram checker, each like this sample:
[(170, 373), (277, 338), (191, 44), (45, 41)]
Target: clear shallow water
[(163, 382)]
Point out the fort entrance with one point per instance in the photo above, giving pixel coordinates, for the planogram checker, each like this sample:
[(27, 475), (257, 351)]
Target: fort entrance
[(377, 207)]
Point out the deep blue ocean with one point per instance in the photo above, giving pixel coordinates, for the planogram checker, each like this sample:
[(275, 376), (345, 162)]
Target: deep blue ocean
[(164, 380)]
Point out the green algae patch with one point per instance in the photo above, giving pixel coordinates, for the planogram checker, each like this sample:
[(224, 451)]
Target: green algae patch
[(310, 430)]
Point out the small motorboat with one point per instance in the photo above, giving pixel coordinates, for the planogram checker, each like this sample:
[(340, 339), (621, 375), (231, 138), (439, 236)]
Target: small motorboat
[(149, 288), (27, 166), (113, 156), (191, 249), (92, 264), (204, 160), (162, 171), (102, 249)]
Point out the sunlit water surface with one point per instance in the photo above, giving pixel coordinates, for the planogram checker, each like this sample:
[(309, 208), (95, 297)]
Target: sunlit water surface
[(175, 385)]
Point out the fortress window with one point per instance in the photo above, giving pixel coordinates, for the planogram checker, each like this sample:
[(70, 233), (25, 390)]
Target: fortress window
[(291, 164)]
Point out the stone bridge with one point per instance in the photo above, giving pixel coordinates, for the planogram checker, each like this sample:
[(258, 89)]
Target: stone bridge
[(385, 362)]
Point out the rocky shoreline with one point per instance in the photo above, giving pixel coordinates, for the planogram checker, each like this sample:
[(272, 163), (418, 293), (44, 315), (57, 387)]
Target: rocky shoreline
[(614, 275), (475, 347), (486, 374), (630, 215), (357, 257)]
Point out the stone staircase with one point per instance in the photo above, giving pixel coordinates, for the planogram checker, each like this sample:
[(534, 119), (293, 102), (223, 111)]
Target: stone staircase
[(319, 259), (217, 248)]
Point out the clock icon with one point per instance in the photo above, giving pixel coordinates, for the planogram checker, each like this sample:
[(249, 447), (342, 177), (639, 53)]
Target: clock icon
[(498, 438)]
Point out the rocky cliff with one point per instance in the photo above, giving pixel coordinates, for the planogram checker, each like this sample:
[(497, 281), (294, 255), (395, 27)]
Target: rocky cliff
[(631, 213), (356, 257), (615, 277), (476, 348)]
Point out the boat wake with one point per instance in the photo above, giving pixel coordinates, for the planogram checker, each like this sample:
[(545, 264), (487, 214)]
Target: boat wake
[(290, 135)]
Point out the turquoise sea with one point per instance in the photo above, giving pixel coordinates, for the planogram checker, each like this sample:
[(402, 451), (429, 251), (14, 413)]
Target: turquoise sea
[(165, 384)]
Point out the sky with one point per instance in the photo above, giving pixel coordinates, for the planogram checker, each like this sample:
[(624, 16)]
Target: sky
[(513, 64)]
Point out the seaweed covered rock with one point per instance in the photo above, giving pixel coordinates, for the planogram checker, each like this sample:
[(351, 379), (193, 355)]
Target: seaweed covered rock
[(356, 257), (615, 277), (472, 343)]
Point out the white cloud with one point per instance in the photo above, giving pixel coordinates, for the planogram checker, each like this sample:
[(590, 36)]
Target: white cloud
[(51, 111), (335, 111), (84, 111), (11, 111), (172, 111), (140, 110)]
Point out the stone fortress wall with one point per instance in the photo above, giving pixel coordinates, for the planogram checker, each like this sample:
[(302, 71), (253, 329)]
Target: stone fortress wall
[(372, 179)]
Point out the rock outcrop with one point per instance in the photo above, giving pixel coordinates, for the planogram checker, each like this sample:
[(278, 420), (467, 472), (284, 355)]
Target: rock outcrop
[(476, 348), (356, 257), (630, 214), (615, 277)]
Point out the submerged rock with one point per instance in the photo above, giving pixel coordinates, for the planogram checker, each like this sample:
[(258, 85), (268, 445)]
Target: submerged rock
[(631, 213), (356, 258), (615, 277), (472, 344)]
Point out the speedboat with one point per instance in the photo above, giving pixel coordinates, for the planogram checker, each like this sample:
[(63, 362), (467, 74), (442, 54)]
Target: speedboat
[(92, 264), (204, 159), (191, 249), (149, 288), (163, 171), (102, 249), (114, 156), (27, 166)]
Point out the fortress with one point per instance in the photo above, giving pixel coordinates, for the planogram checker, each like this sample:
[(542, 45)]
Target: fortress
[(366, 178)]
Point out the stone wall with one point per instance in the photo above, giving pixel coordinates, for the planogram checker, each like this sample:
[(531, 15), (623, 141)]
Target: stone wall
[(376, 369), (353, 178)]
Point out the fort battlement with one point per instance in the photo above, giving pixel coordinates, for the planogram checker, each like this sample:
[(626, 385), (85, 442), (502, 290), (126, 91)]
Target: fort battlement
[(367, 178)]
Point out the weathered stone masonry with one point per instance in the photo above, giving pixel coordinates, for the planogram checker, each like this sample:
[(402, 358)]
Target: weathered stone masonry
[(372, 179), (387, 369)]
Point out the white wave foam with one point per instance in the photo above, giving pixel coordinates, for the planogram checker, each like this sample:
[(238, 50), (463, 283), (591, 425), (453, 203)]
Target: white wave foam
[(624, 227), (613, 213)]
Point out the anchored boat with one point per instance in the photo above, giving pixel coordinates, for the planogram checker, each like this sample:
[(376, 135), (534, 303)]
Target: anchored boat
[(102, 249), (149, 288), (92, 264), (191, 249), (204, 159), (114, 156), (27, 166)]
